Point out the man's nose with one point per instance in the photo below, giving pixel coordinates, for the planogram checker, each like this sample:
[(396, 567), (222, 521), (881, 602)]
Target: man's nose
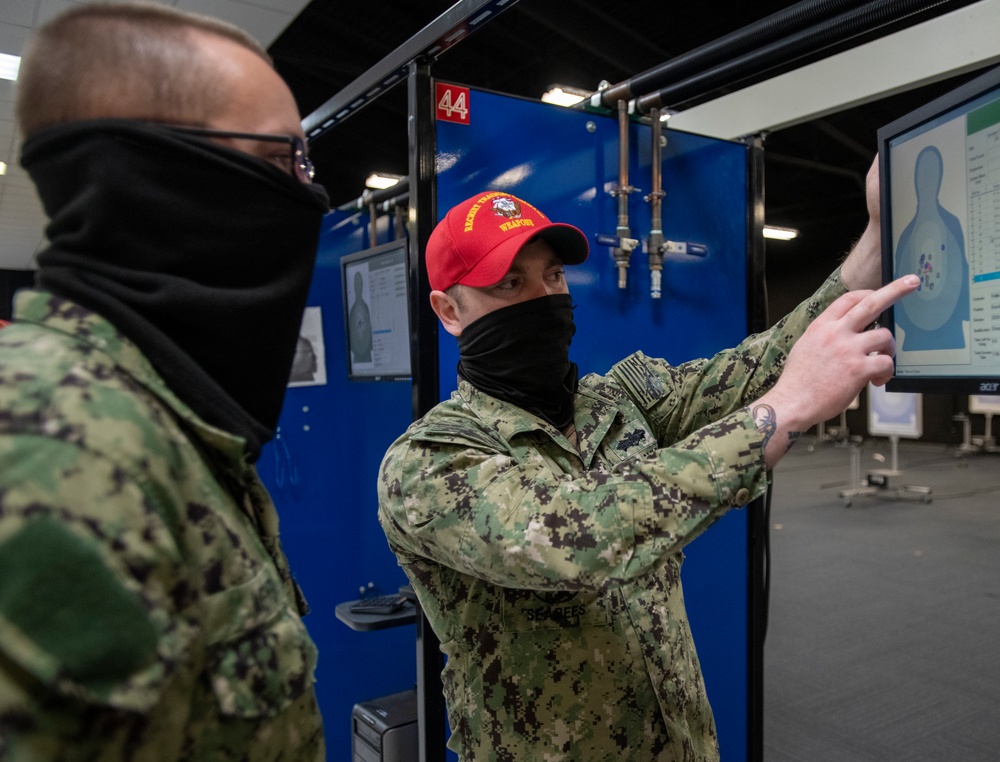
[(538, 287), (543, 286)]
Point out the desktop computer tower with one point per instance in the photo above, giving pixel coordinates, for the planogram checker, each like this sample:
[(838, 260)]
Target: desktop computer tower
[(385, 729)]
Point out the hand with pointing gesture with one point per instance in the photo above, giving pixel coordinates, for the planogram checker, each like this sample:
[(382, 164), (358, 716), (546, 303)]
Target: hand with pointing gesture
[(829, 365)]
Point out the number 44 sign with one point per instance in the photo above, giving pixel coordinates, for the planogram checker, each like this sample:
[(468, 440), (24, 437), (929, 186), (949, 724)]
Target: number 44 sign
[(452, 103)]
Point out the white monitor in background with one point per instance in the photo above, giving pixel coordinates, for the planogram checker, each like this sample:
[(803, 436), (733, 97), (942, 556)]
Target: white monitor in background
[(894, 413)]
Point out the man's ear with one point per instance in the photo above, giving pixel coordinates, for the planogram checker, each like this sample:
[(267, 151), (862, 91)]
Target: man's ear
[(447, 311)]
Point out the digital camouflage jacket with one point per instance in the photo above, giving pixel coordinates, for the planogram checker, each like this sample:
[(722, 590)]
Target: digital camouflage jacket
[(146, 607), (551, 574)]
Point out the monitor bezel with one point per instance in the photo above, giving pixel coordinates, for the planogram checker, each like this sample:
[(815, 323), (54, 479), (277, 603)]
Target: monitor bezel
[(374, 253), (960, 96)]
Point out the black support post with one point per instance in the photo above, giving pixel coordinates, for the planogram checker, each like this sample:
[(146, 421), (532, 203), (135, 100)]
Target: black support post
[(758, 513), (431, 720)]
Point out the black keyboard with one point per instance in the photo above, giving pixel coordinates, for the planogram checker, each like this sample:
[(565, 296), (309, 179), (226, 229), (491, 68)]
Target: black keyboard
[(379, 604)]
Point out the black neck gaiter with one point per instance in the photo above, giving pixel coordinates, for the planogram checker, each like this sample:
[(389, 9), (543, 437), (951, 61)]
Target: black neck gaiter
[(520, 354), (200, 254)]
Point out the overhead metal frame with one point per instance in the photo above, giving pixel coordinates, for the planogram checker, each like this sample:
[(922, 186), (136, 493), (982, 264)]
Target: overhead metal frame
[(949, 45), (756, 36), (451, 27)]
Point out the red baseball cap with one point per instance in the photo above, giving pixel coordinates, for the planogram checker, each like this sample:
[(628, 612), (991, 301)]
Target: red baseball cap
[(477, 240)]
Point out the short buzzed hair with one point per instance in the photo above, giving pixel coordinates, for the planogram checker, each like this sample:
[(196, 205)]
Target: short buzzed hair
[(132, 60)]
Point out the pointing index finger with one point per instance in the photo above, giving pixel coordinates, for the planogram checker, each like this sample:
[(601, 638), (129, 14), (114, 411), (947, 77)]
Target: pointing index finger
[(865, 312)]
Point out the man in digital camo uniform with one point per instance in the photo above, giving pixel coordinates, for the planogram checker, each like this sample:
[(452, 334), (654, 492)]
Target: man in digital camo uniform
[(541, 520), (146, 607)]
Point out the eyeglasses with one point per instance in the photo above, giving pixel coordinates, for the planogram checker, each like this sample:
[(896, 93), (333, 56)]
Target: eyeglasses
[(297, 163)]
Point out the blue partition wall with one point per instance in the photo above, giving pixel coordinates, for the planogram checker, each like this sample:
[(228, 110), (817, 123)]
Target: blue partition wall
[(564, 162), (321, 471)]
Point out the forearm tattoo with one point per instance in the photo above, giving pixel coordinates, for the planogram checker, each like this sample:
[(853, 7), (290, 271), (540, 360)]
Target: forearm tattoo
[(767, 424)]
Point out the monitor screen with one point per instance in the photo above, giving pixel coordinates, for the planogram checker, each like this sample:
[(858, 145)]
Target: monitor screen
[(939, 170), (376, 313)]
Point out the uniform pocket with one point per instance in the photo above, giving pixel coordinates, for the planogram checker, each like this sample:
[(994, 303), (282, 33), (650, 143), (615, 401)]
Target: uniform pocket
[(261, 657), (260, 673)]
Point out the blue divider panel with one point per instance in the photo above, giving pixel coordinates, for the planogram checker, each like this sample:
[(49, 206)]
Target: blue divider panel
[(321, 471), (564, 162)]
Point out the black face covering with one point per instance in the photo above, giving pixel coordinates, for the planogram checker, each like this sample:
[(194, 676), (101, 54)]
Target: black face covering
[(200, 254), (520, 354)]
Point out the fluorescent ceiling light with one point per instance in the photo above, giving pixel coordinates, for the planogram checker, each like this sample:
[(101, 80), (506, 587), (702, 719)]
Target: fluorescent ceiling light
[(9, 66), (381, 180), (780, 234), (3, 168), (564, 96)]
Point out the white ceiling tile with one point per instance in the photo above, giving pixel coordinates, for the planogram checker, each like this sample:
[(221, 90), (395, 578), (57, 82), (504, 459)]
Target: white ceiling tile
[(264, 24), (13, 38), (290, 7), (47, 9), (18, 12), (7, 89)]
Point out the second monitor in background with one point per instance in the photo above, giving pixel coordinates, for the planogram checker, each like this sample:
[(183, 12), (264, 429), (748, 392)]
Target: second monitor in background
[(376, 313)]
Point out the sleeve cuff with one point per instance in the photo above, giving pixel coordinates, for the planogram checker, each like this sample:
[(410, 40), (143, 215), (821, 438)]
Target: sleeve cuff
[(733, 448)]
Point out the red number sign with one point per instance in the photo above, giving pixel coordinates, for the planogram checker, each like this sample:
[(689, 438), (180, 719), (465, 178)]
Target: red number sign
[(452, 103)]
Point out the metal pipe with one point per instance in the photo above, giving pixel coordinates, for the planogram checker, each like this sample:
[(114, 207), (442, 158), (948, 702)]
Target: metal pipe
[(865, 19), (400, 213), (372, 224), (654, 244), (394, 203), (623, 251), (756, 35), (623, 186)]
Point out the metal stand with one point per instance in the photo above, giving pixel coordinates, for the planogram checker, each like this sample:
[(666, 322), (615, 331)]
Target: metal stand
[(986, 443), (876, 482), (967, 445), (838, 435)]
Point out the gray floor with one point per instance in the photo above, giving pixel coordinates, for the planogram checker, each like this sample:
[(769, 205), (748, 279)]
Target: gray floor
[(883, 641)]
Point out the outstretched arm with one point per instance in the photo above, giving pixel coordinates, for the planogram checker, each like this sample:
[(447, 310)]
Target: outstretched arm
[(828, 366), (863, 266)]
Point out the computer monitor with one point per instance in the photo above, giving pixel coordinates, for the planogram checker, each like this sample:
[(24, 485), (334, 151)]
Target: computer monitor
[(376, 313), (939, 170)]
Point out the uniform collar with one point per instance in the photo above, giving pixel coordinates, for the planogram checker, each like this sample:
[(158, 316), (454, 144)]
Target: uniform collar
[(87, 327), (508, 421)]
